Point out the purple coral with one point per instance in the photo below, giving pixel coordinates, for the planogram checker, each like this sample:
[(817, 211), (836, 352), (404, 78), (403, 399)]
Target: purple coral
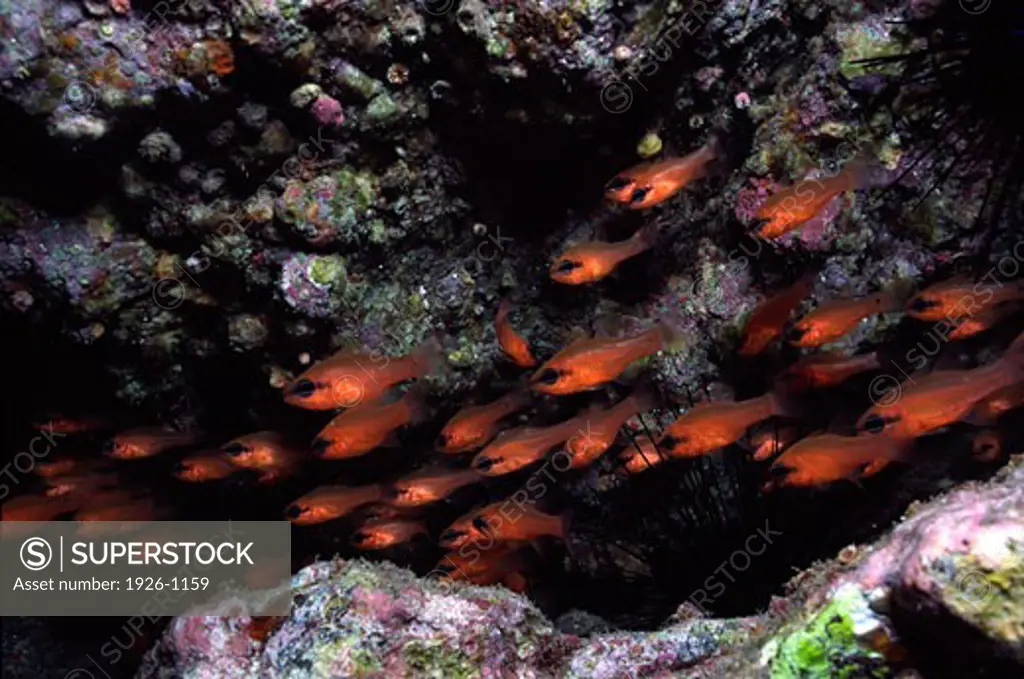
[(327, 111)]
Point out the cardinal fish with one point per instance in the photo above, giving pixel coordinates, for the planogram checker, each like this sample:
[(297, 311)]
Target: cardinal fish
[(503, 521), (327, 503), (384, 534), (942, 397), (832, 320), (512, 344), (770, 316), (590, 262), (430, 485), (649, 184), (521, 447), (821, 459), (711, 425), (487, 566), (983, 322), (264, 451), (146, 442), (793, 206), (204, 467), (603, 427), (589, 363), (473, 426), (640, 455), (958, 297), (359, 430), (769, 441), (352, 377), (818, 371), (36, 508)]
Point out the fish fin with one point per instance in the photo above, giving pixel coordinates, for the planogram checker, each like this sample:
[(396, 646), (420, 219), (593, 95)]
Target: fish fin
[(504, 309), (785, 405), (415, 399), (672, 338), (645, 397), (873, 467), (861, 171), (900, 291), (430, 356), (645, 238), (607, 325), (576, 334)]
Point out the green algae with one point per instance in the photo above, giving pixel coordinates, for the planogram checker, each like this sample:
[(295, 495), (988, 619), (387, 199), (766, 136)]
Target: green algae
[(826, 647), (650, 145), (432, 658), (865, 42), (990, 598), (382, 109), (327, 271)]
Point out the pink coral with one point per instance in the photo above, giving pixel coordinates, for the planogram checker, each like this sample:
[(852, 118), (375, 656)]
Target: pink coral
[(327, 111)]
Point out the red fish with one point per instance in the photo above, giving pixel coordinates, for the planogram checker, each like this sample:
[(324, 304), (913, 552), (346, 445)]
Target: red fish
[(504, 521), (265, 451), (327, 503), (384, 534), (711, 425), (795, 205), (821, 459), (63, 466), (602, 427), (486, 566), (359, 430), (649, 184), (80, 484), (818, 371), (770, 316), (36, 508), (473, 426), (147, 442), (512, 344), (640, 455), (203, 467), (940, 398), (70, 425), (349, 378), (513, 450), (983, 322), (958, 297), (590, 262), (589, 363), (834, 319), (430, 485)]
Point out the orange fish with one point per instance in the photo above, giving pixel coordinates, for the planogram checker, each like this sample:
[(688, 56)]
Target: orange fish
[(504, 521), (589, 363), (640, 455), (203, 467), (474, 426), (36, 508), (711, 425), (649, 184), (521, 447), (591, 261), (486, 566), (146, 442), (940, 398), (769, 441), (514, 345), (327, 503), (987, 411), (430, 485), (80, 484), (987, 446), (265, 451), (793, 206), (359, 430), (826, 369), (349, 378), (70, 425), (834, 319), (958, 297), (384, 534), (983, 322), (770, 316), (602, 427), (64, 466), (382, 511), (821, 459)]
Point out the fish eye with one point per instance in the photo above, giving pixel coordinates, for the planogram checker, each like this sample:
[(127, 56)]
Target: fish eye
[(320, 445), (484, 463), (798, 331), (442, 440), (874, 424), (181, 467), (445, 568), (109, 446), (619, 182), (568, 265), (548, 376), (234, 448), (304, 388), (480, 523), (451, 534), (639, 195), (293, 512), (779, 470), (672, 441), (359, 536)]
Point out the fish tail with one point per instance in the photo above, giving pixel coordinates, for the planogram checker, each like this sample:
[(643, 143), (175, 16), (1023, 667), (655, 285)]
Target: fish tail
[(429, 357), (504, 308), (857, 174), (645, 238), (564, 520), (672, 338)]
